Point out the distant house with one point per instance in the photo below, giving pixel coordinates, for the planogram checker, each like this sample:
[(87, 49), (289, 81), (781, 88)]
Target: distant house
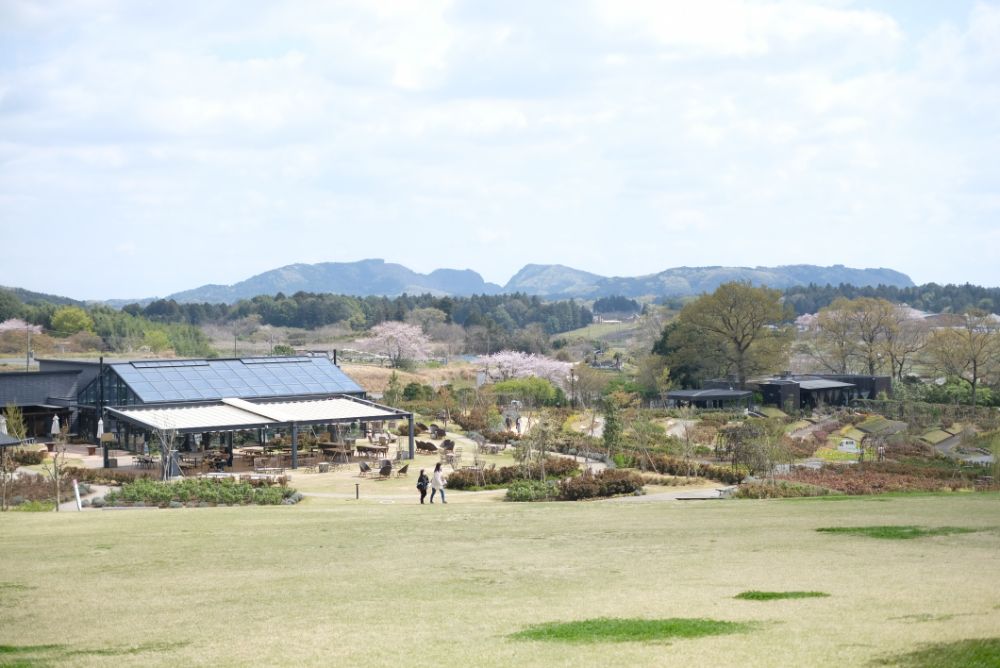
[(710, 398), (809, 391)]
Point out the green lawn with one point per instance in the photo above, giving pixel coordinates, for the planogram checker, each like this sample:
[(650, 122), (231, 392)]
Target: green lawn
[(385, 581)]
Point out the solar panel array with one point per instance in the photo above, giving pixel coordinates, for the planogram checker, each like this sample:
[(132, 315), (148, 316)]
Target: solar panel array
[(203, 380)]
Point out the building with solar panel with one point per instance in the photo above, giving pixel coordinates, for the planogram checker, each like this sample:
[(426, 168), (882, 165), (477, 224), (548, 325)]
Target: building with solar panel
[(131, 400)]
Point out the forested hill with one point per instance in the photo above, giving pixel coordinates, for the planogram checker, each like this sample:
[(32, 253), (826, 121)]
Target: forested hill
[(929, 297), (376, 277), (365, 278), (559, 282)]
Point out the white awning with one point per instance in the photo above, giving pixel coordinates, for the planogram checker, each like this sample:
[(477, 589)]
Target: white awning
[(234, 414), (183, 418), (320, 410)]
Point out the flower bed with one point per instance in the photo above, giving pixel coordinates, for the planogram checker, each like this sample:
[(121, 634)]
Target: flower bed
[(880, 478), (195, 491), (781, 489), (607, 483), (555, 467)]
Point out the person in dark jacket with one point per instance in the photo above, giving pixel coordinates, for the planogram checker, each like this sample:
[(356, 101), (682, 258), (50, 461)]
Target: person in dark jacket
[(422, 482)]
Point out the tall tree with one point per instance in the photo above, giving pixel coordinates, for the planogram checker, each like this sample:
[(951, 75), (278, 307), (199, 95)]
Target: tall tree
[(969, 351), (871, 320), (863, 335), (834, 343), (400, 342), (743, 325), (904, 339)]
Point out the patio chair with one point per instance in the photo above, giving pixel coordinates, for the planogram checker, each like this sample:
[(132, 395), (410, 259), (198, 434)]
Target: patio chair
[(401, 472), (385, 472), (365, 469)]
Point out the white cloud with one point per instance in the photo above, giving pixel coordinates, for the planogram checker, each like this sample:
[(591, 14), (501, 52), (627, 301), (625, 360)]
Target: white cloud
[(536, 131)]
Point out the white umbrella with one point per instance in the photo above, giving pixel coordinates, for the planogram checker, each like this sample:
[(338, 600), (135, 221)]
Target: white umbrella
[(3, 424), (55, 425), (100, 428)]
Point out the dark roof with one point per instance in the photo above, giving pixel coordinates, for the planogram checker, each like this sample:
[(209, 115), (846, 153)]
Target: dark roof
[(156, 381), (38, 388), (823, 384), (6, 441), (698, 395)]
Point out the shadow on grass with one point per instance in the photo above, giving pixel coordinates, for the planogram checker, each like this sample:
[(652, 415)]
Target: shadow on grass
[(778, 595), (974, 653), (606, 629), (37, 656), (897, 532)]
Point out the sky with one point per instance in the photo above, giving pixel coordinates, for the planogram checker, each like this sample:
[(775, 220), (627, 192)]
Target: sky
[(152, 147)]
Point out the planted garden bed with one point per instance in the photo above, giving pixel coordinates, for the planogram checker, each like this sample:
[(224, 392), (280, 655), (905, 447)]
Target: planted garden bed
[(198, 491)]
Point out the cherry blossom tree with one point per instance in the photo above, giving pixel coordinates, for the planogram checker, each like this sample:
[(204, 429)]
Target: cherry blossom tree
[(508, 364), (398, 341)]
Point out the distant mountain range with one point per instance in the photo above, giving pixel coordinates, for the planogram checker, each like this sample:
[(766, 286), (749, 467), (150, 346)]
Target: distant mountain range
[(378, 277)]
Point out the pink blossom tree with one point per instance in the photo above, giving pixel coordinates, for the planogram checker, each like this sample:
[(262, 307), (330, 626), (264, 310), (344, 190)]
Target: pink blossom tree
[(398, 341), (508, 364)]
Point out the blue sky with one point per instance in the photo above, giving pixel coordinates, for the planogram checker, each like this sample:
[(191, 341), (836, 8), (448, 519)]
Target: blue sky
[(150, 147)]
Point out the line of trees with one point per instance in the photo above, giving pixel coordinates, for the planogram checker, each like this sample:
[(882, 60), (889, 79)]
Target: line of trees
[(740, 332), (311, 310), (930, 297), (95, 327)]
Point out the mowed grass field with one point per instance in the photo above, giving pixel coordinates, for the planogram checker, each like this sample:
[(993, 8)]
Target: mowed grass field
[(387, 582)]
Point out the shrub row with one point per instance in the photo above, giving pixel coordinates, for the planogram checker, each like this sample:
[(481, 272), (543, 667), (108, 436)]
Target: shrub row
[(108, 476), (555, 467), (533, 490), (587, 486), (29, 457), (29, 487), (610, 482), (876, 479), (674, 466), (195, 490), (781, 489)]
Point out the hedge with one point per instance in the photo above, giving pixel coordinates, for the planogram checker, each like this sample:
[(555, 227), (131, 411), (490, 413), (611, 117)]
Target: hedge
[(197, 490)]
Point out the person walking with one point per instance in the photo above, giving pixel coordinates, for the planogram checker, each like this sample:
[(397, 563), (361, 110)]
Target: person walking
[(437, 483), (422, 482)]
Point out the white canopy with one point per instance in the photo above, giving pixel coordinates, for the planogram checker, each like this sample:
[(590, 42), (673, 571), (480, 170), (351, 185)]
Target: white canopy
[(232, 414)]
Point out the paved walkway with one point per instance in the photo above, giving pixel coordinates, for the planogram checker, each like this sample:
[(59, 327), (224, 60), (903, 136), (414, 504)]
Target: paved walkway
[(701, 494)]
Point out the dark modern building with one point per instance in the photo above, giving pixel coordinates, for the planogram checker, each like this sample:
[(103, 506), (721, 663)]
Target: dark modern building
[(809, 391), (41, 396), (727, 399)]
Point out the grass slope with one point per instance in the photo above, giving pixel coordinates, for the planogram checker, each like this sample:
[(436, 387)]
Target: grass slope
[(386, 581)]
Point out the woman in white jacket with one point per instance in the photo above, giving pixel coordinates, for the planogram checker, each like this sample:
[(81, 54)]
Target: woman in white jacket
[(437, 483)]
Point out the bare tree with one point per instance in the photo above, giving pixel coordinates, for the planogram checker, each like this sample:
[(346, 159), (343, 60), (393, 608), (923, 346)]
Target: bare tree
[(53, 469), (904, 339), (871, 319), (166, 436), (969, 351), (834, 342), (688, 444), (8, 465)]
